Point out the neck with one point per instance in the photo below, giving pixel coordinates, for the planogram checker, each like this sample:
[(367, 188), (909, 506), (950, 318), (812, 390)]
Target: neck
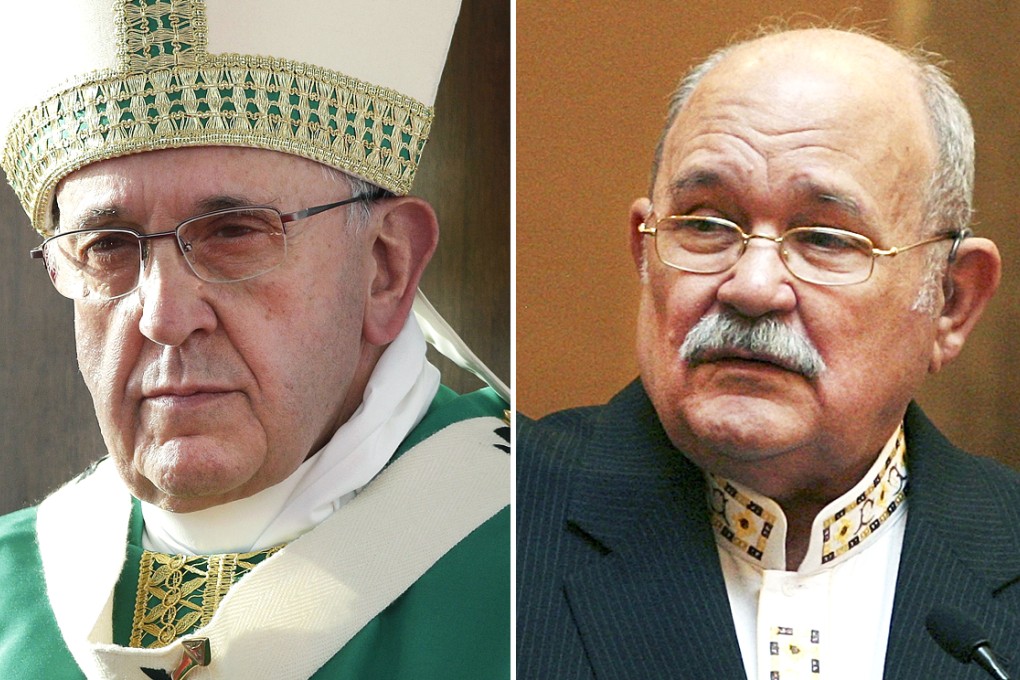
[(800, 517)]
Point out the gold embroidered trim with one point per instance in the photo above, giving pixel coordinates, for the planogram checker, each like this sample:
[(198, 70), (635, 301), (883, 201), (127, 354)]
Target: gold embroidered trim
[(178, 594), (863, 516), (744, 523), (174, 94), (160, 34)]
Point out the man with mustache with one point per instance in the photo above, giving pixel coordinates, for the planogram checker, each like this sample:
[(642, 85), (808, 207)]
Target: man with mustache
[(287, 491), (766, 501)]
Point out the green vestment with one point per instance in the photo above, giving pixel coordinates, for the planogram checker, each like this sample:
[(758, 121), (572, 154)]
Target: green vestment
[(453, 622)]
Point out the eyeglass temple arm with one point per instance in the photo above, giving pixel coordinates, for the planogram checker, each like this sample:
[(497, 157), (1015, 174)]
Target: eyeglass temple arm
[(957, 236), (308, 212)]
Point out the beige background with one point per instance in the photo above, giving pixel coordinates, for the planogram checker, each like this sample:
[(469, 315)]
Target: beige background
[(593, 81), (47, 427)]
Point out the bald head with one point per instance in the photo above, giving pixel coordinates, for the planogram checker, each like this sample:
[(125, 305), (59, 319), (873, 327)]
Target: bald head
[(816, 72)]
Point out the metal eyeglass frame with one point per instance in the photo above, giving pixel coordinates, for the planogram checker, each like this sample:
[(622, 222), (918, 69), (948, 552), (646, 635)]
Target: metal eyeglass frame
[(957, 236), (285, 218)]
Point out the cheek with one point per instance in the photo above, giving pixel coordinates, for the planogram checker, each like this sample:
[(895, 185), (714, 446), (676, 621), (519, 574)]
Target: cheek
[(669, 307), (306, 350), (877, 352), (671, 303), (106, 352)]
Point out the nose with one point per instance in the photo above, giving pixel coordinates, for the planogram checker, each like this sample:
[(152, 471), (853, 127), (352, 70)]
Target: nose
[(171, 296), (759, 283)]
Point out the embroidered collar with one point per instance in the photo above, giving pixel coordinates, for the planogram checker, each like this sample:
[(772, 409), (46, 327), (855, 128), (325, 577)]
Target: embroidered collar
[(754, 526)]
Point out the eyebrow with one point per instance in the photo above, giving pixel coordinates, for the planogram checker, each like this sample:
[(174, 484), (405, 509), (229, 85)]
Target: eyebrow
[(93, 218), (223, 202), (695, 179), (828, 197)]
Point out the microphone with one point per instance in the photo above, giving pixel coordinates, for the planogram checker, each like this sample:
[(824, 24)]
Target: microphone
[(962, 638)]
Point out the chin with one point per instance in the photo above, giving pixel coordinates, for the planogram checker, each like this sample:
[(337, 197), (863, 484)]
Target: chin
[(188, 474), (739, 429)]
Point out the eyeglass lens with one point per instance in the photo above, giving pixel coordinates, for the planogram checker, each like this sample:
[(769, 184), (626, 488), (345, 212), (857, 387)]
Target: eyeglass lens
[(224, 246), (815, 254)]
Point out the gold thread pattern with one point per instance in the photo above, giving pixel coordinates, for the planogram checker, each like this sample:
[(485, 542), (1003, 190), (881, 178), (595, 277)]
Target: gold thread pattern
[(850, 525), (172, 93), (160, 34), (739, 519), (178, 594), (794, 653)]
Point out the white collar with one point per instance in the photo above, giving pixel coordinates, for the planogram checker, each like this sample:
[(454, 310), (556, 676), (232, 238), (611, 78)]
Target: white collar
[(396, 398), (753, 526)]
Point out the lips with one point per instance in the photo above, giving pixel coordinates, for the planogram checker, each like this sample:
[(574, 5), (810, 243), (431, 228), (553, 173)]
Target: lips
[(181, 398), (735, 354), (182, 392)]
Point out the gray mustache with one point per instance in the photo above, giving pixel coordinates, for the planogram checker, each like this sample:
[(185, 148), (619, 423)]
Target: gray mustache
[(765, 338)]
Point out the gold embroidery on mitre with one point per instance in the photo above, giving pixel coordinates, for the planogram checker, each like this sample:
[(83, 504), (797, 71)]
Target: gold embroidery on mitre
[(160, 34), (169, 92), (178, 594)]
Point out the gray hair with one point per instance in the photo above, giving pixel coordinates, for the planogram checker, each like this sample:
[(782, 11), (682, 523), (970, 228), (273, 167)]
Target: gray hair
[(947, 196), (357, 213)]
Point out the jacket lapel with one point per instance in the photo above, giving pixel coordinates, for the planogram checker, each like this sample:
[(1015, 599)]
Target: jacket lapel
[(654, 603)]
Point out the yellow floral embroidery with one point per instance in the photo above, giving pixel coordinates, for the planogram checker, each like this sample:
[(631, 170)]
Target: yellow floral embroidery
[(845, 530), (739, 519)]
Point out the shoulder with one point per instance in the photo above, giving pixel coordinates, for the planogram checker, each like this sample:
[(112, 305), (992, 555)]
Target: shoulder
[(453, 623), (17, 535), (29, 638), (551, 458), (558, 439), (942, 468), (448, 408), (964, 501), (548, 453)]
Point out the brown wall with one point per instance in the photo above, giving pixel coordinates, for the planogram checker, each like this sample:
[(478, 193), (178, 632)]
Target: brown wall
[(593, 80), (47, 426)]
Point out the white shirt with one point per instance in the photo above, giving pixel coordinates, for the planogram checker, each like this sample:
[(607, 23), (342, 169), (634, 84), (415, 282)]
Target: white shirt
[(830, 618)]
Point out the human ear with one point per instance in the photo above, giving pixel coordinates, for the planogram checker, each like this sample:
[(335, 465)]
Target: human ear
[(640, 211), (972, 280), (402, 244)]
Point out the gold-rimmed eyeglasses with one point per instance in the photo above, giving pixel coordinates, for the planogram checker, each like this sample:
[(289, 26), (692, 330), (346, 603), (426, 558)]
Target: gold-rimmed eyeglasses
[(223, 246), (820, 255)]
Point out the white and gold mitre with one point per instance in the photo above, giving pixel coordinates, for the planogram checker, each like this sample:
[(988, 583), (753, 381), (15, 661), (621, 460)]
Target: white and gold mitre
[(347, 83)]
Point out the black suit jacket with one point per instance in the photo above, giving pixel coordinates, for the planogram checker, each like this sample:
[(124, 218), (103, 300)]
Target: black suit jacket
[(618, 574)]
